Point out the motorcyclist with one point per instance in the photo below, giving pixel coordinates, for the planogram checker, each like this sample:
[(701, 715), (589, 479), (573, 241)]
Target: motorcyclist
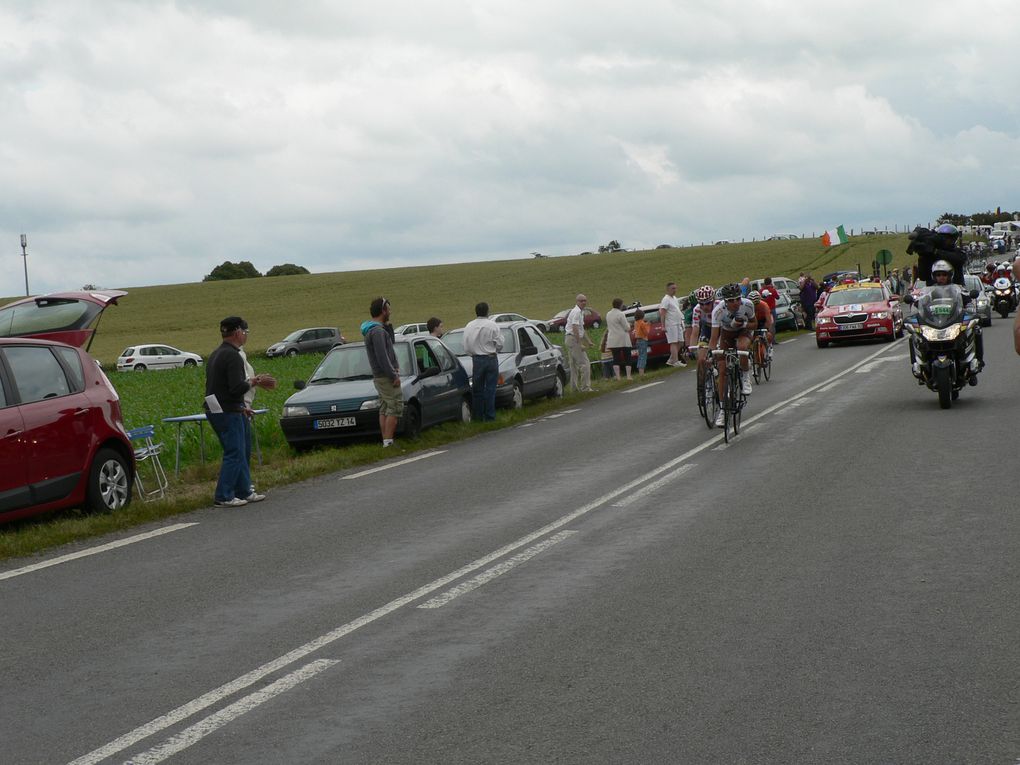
[(942, 244), (942, 276), (989, 275)]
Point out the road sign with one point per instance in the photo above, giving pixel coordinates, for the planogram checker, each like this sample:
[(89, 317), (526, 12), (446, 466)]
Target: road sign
[(883, 257)]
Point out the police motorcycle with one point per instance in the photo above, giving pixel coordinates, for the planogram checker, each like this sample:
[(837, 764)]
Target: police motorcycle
[(1004, 296), (945, 340)]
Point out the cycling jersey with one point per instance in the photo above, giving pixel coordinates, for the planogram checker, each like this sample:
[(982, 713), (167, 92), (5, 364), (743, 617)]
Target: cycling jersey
[(723, 318), (703, 321), (762, 313)]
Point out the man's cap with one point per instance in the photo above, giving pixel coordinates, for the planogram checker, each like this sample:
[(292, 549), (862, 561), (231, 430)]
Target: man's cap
[(232, 324)]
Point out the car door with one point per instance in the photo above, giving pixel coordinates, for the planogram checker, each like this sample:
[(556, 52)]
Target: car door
[(528, 363), (170, 357), (14, 491), (56, 414), (429, 389), (306, 343), (546, 359)]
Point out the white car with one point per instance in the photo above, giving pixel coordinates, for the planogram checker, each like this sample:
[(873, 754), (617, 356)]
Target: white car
[(144, 357), (411, 330)]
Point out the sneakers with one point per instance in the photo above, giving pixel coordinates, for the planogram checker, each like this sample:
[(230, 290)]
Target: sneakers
[(745, 383), (235, 502), (720, 419), (681, 362), (254, 497)]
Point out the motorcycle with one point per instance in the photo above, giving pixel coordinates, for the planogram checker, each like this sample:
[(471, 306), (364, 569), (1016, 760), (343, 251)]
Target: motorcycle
[(1004, 297), (943, 343)]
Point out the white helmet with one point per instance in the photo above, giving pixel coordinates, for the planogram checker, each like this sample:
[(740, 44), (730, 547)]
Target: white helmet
[(942, 266)]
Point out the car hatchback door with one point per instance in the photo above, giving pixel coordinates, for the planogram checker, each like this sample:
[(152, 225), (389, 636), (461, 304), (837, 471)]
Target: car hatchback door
[(14, 491)]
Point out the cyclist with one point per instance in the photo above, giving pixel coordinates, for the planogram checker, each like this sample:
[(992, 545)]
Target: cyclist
[(733, 321), (700, 329), (766, 321)]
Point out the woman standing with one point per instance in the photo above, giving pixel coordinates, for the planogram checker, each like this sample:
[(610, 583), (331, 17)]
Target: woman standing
[(618, 338)]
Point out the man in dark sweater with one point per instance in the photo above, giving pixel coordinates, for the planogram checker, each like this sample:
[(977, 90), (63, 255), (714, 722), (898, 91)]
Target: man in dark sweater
[(225, 386), (385, 370)]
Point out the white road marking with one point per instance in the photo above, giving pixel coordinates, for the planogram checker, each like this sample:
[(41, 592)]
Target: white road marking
[(791, 340), (643, 387), (871, 365), (424, 456), (213, 722), (645, 490), (830, 386), (95, 550), (560, 414), (214, 696), (487, 576)]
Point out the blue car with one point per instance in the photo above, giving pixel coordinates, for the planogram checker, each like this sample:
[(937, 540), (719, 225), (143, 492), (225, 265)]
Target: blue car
[(339, 401)]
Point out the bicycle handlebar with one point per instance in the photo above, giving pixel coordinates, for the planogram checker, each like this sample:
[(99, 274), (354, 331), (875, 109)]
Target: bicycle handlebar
[(723, 353)]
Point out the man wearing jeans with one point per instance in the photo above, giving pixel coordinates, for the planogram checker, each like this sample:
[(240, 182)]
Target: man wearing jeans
[(577, 342), (225, 386), (482, 339)]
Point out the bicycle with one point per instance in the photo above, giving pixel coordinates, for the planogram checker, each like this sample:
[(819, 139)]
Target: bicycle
[(733, 391), (707, 391), (761, 357)]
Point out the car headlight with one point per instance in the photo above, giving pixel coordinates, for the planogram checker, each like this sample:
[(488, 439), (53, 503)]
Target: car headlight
[(880, 315), (372, 403), (295, 411), (825, 320)]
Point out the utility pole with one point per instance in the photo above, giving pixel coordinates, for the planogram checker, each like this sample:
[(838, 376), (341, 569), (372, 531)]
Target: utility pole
[(24, 254)]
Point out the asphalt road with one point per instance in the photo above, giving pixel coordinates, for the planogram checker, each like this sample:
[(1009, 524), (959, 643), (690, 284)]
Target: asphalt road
[(609, 584)]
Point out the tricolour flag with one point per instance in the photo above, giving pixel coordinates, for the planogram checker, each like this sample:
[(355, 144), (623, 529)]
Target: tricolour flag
[(835, 236)]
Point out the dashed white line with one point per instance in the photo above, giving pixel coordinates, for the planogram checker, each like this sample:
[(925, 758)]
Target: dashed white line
[(487, 576), (643, 387), (830, 386), (791, 340), (424, 456), (655, 485), (95, 550), (213, 722), (560, 414)]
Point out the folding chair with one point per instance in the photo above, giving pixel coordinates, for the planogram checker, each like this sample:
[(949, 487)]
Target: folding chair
[(148, 451)]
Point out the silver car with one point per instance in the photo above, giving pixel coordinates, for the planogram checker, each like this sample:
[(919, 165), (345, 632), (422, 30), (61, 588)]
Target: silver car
[(983, 304)]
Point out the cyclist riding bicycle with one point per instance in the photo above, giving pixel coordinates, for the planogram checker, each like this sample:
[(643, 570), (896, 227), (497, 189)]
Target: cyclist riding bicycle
[(733, 321), (700, 330), (766, 322)]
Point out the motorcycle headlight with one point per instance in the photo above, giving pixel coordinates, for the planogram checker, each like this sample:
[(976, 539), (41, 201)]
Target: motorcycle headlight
[(947, 334), (295, 411), (372, 403)]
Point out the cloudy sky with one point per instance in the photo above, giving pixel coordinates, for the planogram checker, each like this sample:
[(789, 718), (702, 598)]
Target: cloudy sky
[(146, 142)]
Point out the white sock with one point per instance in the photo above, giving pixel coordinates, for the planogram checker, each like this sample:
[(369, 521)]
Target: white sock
[(387, 442)]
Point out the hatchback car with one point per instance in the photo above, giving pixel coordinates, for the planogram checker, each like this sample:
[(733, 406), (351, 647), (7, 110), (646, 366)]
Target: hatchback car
[(410, 330), (340, 401), (62, 437), (308, 340), (529, 365), (789, 316), (983, 302), (145, 357), (592, 320), (658, 346), (507, 318)]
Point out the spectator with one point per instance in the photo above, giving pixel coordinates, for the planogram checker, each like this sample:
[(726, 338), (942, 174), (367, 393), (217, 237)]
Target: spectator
[(770, 295), (641, 328), (617, 338), (745, 286), (225, 386), (808, 298), (378, 334), (893, 283), (800, 280), (673, 324), (908, 277), (576, 341), (482, 339), (249, 408), (435, 327)]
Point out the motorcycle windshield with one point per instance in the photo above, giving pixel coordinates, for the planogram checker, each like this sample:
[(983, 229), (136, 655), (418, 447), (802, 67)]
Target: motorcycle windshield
[(941, 307)]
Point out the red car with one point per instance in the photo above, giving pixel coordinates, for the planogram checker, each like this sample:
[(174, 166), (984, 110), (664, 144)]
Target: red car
[(62, 437), (858, 311), (592, 320), (66, 317), (658, 348)]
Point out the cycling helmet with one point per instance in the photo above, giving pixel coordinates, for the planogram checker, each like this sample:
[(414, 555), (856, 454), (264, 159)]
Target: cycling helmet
[(704, 294), (942, 266), (730, 292), (754, 296)]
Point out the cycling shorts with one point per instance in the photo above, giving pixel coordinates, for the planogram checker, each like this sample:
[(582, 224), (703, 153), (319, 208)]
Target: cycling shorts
[(728, 340)]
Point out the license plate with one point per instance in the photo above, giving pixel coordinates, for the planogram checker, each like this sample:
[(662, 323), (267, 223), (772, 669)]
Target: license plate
[(335, 422), (859, 325)]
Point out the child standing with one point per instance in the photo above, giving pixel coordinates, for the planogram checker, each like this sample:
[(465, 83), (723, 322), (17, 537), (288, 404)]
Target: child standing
[(641, 328)]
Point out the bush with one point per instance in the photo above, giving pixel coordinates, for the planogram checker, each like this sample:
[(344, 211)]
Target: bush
[(287, 269), (227, 270)]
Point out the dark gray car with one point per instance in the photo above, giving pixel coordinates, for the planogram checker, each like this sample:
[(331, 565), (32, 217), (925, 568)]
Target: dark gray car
[(308, 340)]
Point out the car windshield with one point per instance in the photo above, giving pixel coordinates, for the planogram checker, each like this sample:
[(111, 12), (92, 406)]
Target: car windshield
[(350, 362), (855, 297), (127, 351), (292, 336)]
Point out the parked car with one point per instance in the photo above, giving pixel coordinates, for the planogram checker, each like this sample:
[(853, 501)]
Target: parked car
[(506, 318), (339, 400), (592, 320), (308, 340), (982, 303), (409, 330), (64, 317), (658, 347), (775, 237), (529, 365), (857, 311), (62, 437), (144, 357), (789, 316), (783, 285)]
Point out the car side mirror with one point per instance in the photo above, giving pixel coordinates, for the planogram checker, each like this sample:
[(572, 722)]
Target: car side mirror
[(299, 384)]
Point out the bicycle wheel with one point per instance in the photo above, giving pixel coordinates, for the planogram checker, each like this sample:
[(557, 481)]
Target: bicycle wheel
[(736, 396), (700, 390), (756, 348), (766, 368), (711, 401)]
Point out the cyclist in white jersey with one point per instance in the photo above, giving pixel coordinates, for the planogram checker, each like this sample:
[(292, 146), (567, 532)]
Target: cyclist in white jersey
[(733, 322)]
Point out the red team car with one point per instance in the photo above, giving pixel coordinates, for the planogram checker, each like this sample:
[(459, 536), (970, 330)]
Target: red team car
[(858, 311)]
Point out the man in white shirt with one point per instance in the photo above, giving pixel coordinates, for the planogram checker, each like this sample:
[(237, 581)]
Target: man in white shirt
[(483, 340), (673, 324), (576, 343)]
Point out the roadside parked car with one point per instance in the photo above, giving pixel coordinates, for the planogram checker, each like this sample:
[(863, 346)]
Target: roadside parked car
[(340, 401), (144, 357), (507, 318), (658, 347), (858, 311), (62, 437), (308, 340), (784, 285), (64, 317), (592, 320), (789, 316), (409, 330), (529, 365)]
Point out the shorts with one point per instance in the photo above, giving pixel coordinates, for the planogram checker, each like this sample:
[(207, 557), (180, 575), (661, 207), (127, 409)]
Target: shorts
[(729, 339), (674, 333), (621, 356), (704, 332), (391, 398)]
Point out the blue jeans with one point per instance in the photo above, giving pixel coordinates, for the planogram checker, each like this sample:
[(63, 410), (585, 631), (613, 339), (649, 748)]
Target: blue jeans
[(642, 353), (484, 376), (235, 477)]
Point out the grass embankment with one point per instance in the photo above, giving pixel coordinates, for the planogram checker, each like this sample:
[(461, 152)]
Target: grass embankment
[(187, 316)]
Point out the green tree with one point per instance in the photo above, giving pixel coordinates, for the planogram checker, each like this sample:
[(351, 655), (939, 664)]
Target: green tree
[(227, 270), (287, 269)]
